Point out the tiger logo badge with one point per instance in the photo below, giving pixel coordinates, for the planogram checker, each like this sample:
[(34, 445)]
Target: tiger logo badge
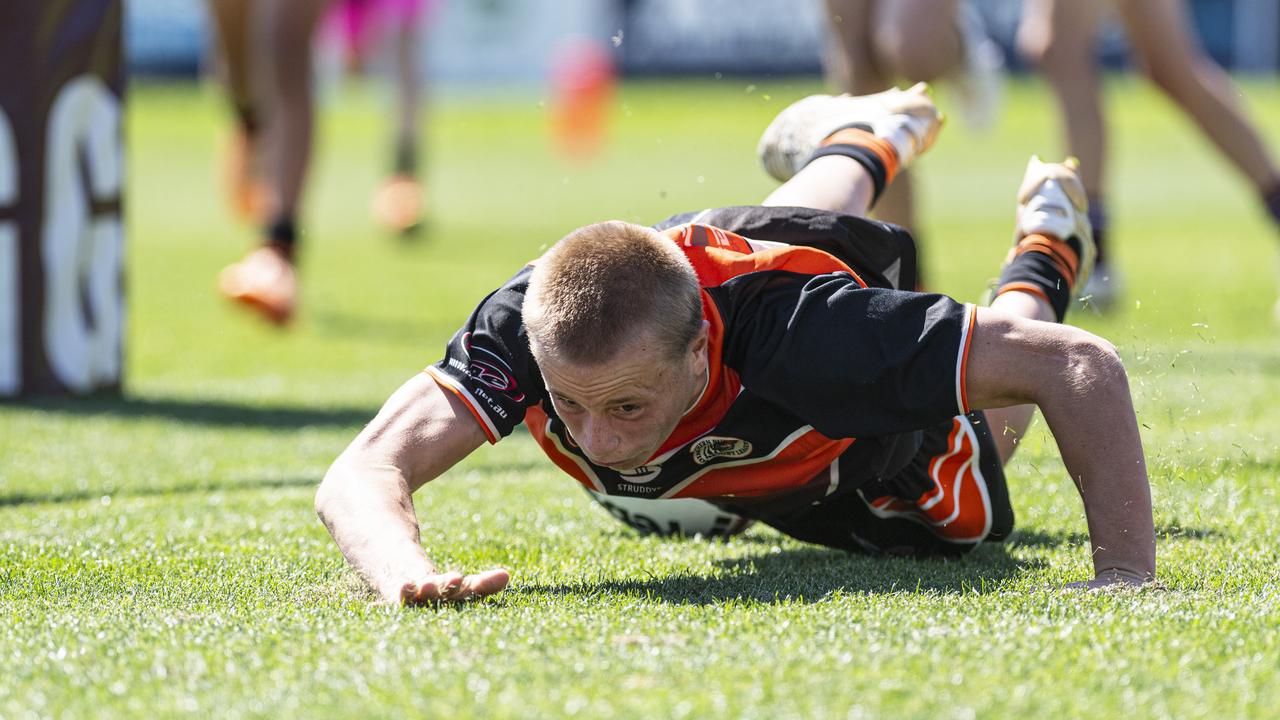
[(712, 448)]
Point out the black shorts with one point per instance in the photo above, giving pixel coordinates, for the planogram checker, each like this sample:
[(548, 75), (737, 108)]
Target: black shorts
[(877, 515), (957, 466)]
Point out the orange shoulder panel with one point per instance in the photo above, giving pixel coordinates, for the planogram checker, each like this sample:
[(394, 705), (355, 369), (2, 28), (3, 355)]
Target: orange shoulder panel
[(719, 256)]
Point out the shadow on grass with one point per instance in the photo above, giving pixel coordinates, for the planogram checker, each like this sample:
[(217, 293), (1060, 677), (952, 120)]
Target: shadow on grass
[(1040, 539), (71, 496), (809, 575), (375, 329), (220, 413)]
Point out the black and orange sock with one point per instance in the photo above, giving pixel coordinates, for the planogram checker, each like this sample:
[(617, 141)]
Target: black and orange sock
[(247, 118), (283, 233), (875, 154), (405, 157), (1044, 266)]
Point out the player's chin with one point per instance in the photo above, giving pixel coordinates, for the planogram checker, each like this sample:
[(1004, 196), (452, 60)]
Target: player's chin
[(625, 464)]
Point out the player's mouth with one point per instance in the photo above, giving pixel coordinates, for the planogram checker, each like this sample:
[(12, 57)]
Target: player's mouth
[(626, 464)]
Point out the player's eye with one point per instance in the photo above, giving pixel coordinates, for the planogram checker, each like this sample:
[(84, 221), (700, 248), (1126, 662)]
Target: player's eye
[(567, 404), (628, 409)]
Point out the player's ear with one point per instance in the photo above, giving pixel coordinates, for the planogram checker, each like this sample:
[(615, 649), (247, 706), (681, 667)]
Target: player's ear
[(699, 346)]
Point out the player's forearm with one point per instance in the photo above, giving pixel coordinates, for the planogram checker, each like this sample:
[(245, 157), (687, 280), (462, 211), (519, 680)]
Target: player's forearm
[(368, 510), (1091, 414)]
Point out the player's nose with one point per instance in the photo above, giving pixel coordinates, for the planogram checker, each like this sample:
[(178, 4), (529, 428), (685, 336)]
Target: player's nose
[(600, 442)]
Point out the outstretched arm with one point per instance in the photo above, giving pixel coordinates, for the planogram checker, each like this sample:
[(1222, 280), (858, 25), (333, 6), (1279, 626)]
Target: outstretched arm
[(1080, 385), (366, 499)]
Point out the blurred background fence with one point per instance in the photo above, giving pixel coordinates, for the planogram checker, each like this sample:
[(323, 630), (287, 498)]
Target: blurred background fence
[(512, 41)]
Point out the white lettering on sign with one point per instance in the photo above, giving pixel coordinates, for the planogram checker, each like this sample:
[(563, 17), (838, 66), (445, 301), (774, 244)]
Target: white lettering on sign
[(10, 316), (83, 256)]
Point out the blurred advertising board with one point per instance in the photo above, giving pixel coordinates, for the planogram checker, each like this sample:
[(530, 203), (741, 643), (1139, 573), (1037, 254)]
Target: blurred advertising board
[(61, 182)]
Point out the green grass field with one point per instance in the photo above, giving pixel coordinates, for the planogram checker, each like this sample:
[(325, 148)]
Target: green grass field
[(159, 555)]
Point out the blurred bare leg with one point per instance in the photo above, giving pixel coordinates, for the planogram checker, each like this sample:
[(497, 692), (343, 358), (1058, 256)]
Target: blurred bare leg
[(233, 20), (408, 40), (289, 27), (852, 66), (265, 280), (1162, 38), (399, 203), (239, 63), (917, 39), (850, 63), (1058, 36)]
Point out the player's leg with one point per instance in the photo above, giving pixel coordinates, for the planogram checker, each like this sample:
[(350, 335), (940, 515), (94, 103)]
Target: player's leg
[(852, 67), (953, 495), (237, 61), (840, 153), (264, 280), (850, 63), (917, 39), (1050, 262), (1163, 41), (398, 204), (408, 82), (827, 183), (232, 20), (936, 40), (1058, 36), (289, 26)]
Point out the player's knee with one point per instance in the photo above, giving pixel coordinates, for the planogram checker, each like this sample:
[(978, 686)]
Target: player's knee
[(911, 47), (1055, 54), (1176, 80), (917, 61), (1033, 46)]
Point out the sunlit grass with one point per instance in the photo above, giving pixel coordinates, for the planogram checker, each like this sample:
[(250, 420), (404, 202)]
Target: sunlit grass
[(159, 555)]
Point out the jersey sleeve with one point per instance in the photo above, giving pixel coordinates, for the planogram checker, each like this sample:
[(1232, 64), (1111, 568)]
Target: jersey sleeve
[(851, 361), (488, 365)]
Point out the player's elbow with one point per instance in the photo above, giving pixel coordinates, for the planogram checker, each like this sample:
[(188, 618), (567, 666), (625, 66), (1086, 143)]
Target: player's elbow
[(1092, 365), (329, 494), (324, 498)]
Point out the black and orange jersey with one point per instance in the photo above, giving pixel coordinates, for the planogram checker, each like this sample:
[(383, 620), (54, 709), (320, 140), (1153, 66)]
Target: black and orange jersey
[(816, 374)]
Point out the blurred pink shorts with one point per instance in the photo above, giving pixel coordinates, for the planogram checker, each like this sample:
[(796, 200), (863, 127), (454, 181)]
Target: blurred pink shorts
[(361, 23)]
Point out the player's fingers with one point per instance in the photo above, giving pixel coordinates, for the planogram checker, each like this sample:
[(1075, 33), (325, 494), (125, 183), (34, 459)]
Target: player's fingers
[(409, 593), (486, 583), (447, 585), (430, 589), (454, 587)]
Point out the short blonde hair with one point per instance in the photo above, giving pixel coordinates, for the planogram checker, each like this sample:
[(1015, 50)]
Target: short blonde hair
[(603, 284)]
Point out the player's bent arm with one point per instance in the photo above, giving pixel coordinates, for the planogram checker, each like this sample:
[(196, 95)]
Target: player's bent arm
[(366, 499), (1081, 387)]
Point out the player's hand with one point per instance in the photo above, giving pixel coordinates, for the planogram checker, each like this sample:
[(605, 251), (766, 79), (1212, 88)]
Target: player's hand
[(453, 587), (1112, 579)]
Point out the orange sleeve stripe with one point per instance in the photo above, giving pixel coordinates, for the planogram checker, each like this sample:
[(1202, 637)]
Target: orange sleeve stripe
[(963, 382), (466, 401)]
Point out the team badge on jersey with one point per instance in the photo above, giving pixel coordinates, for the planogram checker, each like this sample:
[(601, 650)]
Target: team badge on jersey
[(711, 448)]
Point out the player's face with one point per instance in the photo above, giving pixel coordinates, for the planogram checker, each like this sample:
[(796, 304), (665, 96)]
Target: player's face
[(619, 412)]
